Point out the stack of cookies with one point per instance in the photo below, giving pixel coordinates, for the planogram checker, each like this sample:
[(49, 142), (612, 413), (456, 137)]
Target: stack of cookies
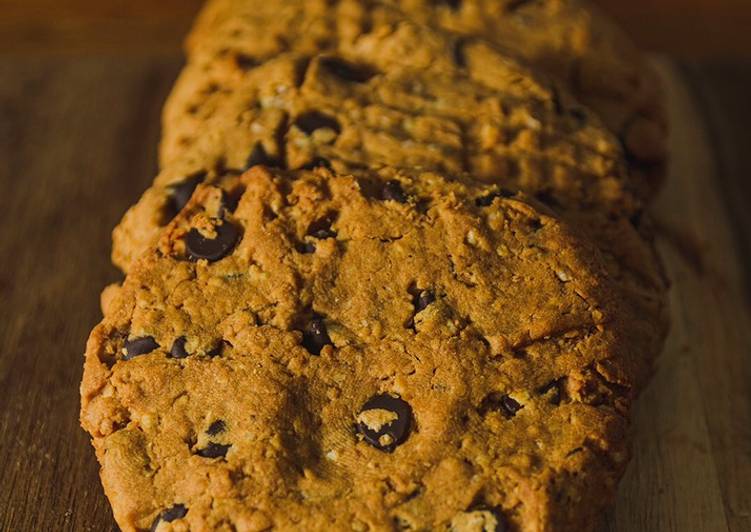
[(395, 273)]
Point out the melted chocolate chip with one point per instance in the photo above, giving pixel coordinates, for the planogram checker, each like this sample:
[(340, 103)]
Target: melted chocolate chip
[(385, 421), (315, 336), (212, 249), (214, 450), (312, 120), (495, 402), (180, 193), (347, 71), (178, 511), (217, 427), (140, 346), (178, 348), (424, 299), (258, 156), (392, 190), (487, 200)]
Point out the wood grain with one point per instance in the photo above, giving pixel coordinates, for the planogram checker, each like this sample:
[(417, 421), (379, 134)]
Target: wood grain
[(77, 145)]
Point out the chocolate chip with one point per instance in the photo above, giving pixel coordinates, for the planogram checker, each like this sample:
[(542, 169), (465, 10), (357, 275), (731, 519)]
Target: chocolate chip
[(178, 511), (216, 351), (315, 336), (180, 193), (321, 229), (306, 248), (214, 450), (488, 199), (258, 156), (313, 120), (178, 348), (212, 249), (217, 427), (346, 70), (140, 346), (385, 421), (495, 402), (424, 299), (392, 190)]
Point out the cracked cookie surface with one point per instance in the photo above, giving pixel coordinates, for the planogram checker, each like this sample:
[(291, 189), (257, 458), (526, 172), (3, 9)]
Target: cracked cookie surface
[(390, 350), (397, 98), (568, 40)]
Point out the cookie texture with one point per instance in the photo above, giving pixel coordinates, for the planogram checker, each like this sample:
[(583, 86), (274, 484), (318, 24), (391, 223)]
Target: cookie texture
[(406, 96), (387, 350), (567, 40)]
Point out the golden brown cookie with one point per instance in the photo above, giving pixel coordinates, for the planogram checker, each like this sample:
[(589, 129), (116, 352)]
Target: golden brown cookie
[(567, 40), (394, 350)]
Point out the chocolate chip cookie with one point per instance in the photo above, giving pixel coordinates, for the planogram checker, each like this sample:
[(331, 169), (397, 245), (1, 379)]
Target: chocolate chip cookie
[(568, 40), (390, 350)]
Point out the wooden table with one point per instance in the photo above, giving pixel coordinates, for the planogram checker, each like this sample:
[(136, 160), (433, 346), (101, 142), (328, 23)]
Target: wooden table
[(78, 136)]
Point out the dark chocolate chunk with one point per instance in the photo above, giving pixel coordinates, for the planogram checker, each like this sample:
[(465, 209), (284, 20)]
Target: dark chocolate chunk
[(495, 402), (424, 299), (392, 190), (178, 348), (488, 199), (306, 248), (217, 427), (140, 346), (178, 511), (315, 336), (212, 249), (180, 193), (312, 120), (385, 432), (347, 71), (214, 450)]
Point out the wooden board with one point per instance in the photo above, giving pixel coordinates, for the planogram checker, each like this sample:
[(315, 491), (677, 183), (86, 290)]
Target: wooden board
[(77, 146)]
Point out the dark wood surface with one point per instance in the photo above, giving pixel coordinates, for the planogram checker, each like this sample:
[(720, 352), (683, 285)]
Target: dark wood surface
[(78, 135), (687, 29)]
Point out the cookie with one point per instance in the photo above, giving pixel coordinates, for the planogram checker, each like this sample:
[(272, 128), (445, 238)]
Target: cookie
[(389, 350), (488, 116), (568, 40)]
